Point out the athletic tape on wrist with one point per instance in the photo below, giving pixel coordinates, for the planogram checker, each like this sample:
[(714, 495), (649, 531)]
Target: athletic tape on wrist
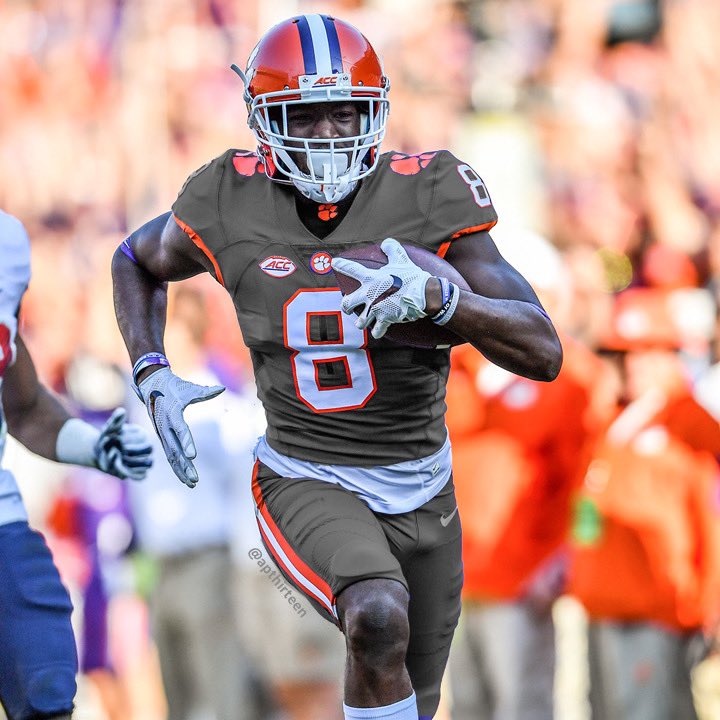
[(75, 443)]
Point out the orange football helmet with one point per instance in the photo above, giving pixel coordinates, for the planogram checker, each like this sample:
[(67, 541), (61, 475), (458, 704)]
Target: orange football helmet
[(312, 59)]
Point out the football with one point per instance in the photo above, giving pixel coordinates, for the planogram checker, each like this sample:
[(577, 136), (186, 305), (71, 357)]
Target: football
[(422, 333)]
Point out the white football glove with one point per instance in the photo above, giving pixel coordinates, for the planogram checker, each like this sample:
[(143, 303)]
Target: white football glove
[(166, 396), (123, 449), (406, 304)]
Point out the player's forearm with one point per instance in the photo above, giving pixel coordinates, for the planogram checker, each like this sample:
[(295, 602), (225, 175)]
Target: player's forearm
[(514, 334), (33, 414), (36, 424), (140, 306)]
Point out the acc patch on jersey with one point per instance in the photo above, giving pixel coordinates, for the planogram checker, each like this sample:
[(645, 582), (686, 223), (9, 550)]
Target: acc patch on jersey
[(320, 263), (278, 266)]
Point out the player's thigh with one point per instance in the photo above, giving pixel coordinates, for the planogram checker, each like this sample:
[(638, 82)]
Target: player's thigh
[(38, 657), (321, 536)]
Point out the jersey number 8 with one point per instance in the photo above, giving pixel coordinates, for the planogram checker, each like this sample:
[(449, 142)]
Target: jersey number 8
[(477, 186), (331, 366)]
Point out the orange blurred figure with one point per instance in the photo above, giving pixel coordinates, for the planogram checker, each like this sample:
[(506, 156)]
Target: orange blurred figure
[(646, 540), (519, 453)]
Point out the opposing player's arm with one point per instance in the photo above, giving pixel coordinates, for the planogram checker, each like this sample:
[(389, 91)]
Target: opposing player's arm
[(34, 415), (502, 317), (36, 418), (163, 252)]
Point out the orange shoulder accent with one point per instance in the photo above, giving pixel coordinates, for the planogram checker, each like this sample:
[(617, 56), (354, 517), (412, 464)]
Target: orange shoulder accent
[(442, 250), (404, 164), (199, 242), (474, 229)]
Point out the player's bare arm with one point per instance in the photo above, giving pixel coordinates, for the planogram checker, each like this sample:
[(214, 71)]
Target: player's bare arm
[(503, 317), (161, 252), (500, 314), (34, 415)]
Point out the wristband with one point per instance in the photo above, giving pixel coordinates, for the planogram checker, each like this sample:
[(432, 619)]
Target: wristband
[(449, 306), (145, 361), (445, 290), (75, 443)]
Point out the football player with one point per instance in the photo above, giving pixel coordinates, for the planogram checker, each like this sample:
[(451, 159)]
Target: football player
[(38, 658), (352, 482)]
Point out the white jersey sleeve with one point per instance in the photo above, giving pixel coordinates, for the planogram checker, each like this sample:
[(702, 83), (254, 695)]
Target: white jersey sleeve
[(14, 279)]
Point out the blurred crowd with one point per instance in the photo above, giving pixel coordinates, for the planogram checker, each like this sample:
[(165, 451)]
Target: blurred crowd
[(593, 125)]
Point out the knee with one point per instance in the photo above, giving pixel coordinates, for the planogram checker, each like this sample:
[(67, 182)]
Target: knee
[(376, 624)]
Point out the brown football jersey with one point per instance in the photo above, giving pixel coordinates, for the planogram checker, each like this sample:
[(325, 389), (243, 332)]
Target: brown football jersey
[(332, 394)]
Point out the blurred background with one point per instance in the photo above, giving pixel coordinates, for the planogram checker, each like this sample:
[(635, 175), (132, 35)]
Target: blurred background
[(594, 126)]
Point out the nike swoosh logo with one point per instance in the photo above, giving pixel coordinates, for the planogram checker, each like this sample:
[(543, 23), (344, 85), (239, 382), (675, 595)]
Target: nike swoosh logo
[(397, 283), (445, 518)]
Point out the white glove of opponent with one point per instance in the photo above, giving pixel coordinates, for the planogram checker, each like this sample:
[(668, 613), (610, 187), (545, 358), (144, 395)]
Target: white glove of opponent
[(404, 305), (166, 396), (123, 449)]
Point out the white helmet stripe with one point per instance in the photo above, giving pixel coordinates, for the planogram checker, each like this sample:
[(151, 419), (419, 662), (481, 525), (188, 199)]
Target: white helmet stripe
[(321, 46)]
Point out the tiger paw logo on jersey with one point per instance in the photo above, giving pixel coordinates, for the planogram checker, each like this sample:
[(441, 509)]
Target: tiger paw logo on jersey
[(327, 212), (248, 163), (320, 263), (410, 164), (278, 266)]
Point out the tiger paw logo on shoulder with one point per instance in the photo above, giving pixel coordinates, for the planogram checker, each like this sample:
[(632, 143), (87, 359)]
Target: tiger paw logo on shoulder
[(404, 164), (248, 163)]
